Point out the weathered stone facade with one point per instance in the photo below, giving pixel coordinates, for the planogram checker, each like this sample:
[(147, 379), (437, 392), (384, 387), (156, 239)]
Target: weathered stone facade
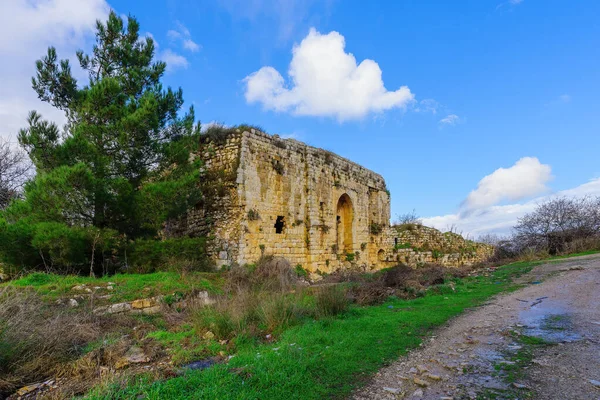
[(273, 196)]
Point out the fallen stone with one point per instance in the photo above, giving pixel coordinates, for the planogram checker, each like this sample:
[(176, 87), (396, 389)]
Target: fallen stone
[(144, 303), (418, 394), (73, 303), (520, 385), (595, 383), (110, 287), (420, 382), (208, 335), (413, 370), (422, 369), (392, 390), (78, 288), (434, 377), (135, 355)]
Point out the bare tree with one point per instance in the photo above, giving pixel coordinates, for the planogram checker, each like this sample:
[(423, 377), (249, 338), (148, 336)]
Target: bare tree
[(557, 222), (14, 170), (408, 218)]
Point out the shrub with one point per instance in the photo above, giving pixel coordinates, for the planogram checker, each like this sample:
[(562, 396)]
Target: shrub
[(301, 272), (431, 274), (274, 273), (253, 215), (331, 300), (376, 228), (36, 339), (147, 255)]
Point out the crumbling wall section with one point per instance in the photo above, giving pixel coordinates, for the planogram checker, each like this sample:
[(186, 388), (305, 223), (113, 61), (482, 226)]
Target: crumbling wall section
[(415, 245)]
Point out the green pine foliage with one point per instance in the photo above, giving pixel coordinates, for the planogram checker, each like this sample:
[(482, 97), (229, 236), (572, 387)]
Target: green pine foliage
[(119, 168)]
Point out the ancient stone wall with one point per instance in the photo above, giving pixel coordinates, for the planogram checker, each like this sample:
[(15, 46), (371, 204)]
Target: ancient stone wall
[(414, 245), (217, 216), (307, 204), (264, 195)]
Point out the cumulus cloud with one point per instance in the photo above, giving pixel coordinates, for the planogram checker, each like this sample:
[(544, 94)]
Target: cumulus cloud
[(325, 81), (450, 120), (527, 177), (27, 28), (500, 219)]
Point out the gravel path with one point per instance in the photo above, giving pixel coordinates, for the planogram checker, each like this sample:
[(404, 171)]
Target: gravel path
[(462, 359)]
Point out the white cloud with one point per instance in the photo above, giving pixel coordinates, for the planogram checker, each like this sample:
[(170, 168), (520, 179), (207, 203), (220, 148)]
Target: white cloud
[(450, 120), (325, 81), (27, 28), (184, 37), (174, 61), (528, 177), (501, 218)]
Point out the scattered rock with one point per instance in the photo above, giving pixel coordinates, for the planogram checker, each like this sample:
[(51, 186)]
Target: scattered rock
[(79, 288), (595, 383), (420, 382), (208, 335), (434, 377), (392, 390), (520, 385), (413, 370), (145, 303), (110, 287), (418, 394), (135, 355), (422, 369), (73, 303)]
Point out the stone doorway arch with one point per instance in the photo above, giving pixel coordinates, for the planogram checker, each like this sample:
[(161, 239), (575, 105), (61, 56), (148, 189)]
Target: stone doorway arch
[(344, 221)]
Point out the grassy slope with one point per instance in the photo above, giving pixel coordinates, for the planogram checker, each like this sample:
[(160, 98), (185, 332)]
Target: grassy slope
[(127, 287), (329, 357)]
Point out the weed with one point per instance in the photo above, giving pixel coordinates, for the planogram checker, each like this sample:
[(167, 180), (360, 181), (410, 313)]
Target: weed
[(253, 215), (376, 228)]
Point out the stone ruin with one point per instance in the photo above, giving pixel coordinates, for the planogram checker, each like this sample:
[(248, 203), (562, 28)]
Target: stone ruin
[(265, 195)]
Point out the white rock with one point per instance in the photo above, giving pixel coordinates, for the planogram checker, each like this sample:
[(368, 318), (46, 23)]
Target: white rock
[(392, 390), (418, 393), (73, 303), (595, 383)]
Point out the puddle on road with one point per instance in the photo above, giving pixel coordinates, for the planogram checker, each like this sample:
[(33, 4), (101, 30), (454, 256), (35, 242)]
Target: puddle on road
[(549, 320)]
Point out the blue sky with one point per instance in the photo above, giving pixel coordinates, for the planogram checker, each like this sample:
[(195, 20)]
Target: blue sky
[(500, 107)]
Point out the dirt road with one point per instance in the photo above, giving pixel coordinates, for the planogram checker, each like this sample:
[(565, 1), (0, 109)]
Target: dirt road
[(540, 342)]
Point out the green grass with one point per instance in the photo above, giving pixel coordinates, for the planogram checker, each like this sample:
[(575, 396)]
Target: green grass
[(184, 345), (583, 253), (325, 358), (127, 286)]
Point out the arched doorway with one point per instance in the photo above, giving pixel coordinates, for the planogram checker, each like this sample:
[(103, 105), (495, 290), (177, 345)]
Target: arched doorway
[(344, 219)]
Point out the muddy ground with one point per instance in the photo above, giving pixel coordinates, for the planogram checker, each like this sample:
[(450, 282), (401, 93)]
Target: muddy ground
[(539, 342)]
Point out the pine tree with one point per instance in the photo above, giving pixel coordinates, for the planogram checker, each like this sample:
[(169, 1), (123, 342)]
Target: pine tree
[(123, 129), (120, 166)]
